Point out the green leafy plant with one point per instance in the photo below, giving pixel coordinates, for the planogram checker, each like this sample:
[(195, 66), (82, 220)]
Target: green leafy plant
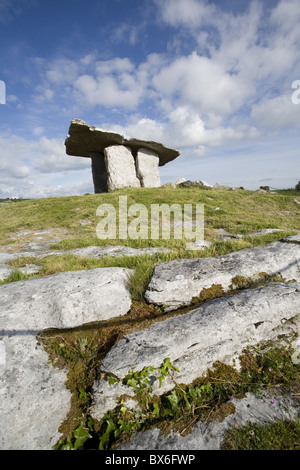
[(80, 435), (208, 398)]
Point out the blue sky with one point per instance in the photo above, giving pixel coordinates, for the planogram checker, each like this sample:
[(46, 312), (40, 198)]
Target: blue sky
[(212, 79)]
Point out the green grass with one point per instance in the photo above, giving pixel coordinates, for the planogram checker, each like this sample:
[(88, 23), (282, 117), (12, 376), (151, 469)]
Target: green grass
[(282, 435), (240, 212), (15, 275)]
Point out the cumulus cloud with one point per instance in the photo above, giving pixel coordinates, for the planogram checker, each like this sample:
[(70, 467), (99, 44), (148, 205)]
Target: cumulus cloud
[(189, 13), (202, 84), (40, 168), (15, 153), (114, 83), (21, 158), (277, 113), (184, 128), (50, 157)]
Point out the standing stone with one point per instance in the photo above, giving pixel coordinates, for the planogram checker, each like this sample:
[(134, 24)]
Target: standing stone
[(99, 172), (120, 167), (147, 163)]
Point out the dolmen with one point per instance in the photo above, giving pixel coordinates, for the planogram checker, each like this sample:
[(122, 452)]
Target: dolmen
[(117, 162)]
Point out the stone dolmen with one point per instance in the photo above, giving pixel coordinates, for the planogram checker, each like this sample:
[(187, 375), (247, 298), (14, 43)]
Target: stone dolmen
[(118, 162)]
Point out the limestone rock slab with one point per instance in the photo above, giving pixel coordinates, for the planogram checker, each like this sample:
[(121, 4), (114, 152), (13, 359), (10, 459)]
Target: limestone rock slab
[(147, 163), (175, 283), (196, 340), (209, 436), (114, 251), (120, 167), (69, 299), (33, 397)]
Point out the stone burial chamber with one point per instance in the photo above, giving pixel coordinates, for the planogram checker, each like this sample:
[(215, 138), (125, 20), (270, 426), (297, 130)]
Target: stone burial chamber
[(117, 162)]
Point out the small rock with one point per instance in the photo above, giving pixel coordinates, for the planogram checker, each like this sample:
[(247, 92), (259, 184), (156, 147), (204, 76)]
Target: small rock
[(180, 180), (85, 222), (198, 245), (100, 252)]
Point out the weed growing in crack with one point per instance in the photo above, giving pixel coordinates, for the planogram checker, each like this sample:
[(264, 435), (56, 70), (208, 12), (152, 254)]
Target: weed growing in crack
[(265, 366)]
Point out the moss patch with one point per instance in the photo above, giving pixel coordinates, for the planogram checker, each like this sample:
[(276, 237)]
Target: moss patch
[(216, 290)]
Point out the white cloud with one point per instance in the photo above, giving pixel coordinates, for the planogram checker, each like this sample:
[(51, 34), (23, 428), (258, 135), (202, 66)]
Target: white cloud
[(190, 13), (13, 158), (41, 168), (203, 84), (63, 70), (113, 83), (21, 159), (185, 129), (50, 157), (277, 113)]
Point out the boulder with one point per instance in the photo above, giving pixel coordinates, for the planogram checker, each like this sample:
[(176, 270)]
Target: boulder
[(180, 180), (194, 341), (189, 183), (176, 283), (120, 167), (147, 163)]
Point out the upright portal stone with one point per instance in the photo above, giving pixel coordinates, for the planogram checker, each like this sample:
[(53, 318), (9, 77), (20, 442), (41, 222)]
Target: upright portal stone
[(120, 167), (99, 172), (147, 163)]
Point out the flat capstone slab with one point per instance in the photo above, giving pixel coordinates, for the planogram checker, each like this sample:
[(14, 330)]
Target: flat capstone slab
[(83, 140)]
